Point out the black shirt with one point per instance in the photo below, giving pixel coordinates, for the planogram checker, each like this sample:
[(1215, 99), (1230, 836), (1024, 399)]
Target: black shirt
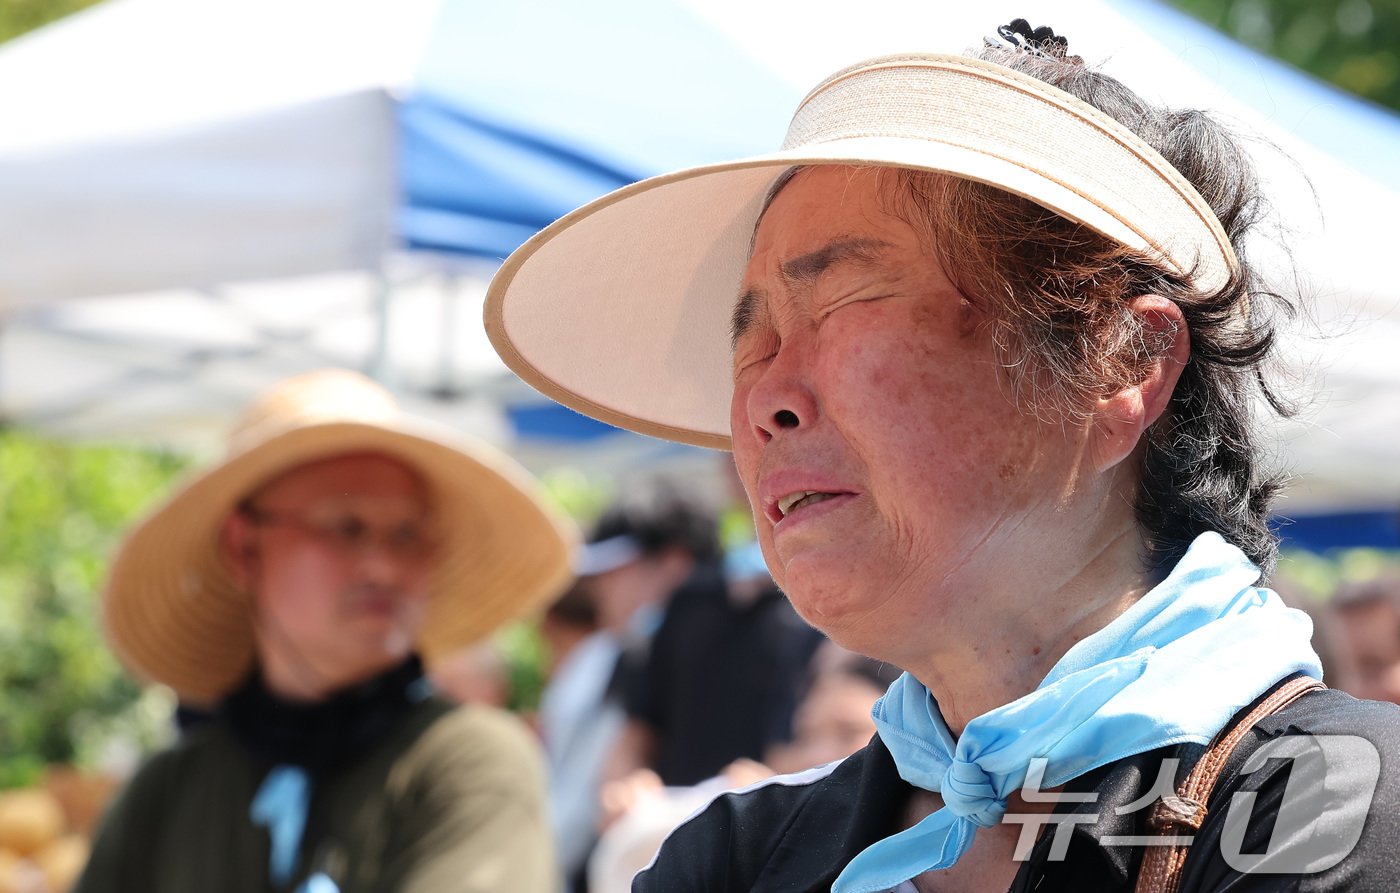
[(722, 678), (797, 833)]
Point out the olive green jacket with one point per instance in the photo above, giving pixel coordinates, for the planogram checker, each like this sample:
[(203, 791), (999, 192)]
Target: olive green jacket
[(452, 800)]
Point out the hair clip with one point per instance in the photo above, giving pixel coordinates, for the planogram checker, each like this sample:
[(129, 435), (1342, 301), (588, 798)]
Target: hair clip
[(1020, 37)]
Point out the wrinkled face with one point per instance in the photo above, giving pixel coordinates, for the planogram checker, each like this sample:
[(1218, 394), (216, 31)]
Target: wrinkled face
[(338, 558), (862, 376)]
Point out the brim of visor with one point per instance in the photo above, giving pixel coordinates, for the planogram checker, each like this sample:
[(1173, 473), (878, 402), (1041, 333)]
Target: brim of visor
[(622, 309)]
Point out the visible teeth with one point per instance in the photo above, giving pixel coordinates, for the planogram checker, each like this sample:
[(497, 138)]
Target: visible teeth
[(787, 502), (803, 497)]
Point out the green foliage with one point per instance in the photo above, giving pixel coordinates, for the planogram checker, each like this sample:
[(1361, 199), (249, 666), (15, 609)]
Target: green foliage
[(580, 496), (736, 527), (19, 16), (1354, 44), (526, 655), (62, 510), (1318, 576)]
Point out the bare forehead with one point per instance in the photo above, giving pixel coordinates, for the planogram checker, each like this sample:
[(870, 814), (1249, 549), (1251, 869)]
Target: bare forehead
[(824, 196), (818, 219), (347, 478)]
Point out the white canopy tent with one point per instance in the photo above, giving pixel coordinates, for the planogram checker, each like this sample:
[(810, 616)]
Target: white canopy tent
[(198, 197), (222, 175)]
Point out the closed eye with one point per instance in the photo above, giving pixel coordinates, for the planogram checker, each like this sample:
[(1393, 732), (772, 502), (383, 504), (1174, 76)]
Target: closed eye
[(748, 312), (857, 298), (755, 349)]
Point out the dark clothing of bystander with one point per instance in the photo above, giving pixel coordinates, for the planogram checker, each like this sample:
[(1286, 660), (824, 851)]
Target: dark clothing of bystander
[(721, 679)]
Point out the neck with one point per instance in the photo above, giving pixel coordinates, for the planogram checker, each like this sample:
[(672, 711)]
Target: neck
[(278, 727), (294, 679), (1026, 625)]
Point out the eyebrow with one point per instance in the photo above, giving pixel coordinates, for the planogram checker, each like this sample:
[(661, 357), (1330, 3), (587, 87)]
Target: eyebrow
[(803, 272)]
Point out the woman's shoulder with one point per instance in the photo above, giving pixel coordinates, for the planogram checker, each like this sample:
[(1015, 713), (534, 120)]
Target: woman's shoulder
[(490, 727), (791, 832), (206, 749), (1310, 799), (443, 737), (1331, 711), (199, 773)]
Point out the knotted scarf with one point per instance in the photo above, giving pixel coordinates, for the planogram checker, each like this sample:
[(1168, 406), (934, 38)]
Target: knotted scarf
[(1173, 668)]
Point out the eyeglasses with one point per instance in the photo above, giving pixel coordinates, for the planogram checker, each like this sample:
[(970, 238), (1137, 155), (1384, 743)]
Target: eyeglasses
[(352, 536)]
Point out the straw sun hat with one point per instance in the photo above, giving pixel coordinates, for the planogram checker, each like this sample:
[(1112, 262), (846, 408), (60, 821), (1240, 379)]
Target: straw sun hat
[(174, 614), (621, 309)]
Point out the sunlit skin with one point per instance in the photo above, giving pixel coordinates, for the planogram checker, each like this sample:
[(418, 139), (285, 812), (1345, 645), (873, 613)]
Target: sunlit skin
[(967, 541), (326, 616)]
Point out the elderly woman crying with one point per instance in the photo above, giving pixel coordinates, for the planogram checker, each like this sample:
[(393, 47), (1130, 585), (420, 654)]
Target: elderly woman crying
[(993, 347)]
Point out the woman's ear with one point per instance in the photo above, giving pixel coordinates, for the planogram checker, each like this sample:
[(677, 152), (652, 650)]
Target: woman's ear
[(1123, 416), (236, 547)]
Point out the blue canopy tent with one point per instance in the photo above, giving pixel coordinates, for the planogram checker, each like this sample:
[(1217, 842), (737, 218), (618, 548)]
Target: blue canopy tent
[(501, 137)]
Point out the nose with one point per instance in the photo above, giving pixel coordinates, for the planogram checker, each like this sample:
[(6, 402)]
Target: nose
[(378, 563), (781, 397)]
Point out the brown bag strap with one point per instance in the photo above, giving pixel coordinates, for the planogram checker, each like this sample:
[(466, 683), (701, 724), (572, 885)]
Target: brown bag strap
[(1186, 812)]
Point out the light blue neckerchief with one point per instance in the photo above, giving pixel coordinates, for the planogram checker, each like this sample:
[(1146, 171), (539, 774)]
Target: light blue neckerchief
[(1173, 668), (281, 804)]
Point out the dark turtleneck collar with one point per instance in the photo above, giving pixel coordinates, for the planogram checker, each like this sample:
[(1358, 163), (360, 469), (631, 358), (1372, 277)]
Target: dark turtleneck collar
[(323, 735)]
